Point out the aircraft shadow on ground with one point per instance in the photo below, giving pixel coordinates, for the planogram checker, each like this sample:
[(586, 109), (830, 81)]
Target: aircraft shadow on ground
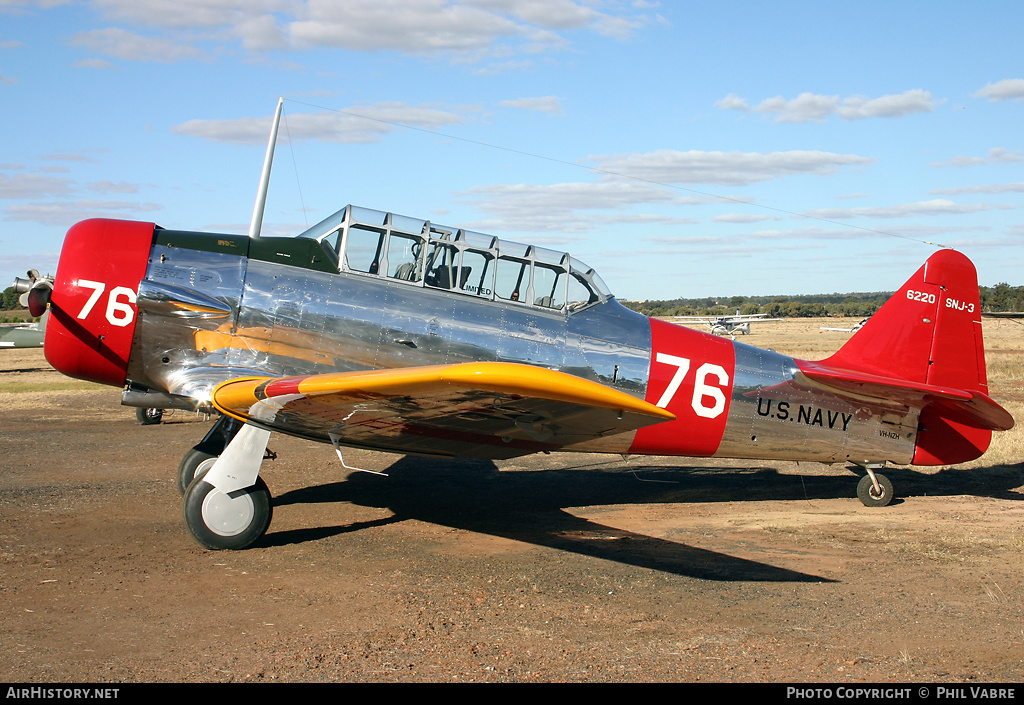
[(530, 506)]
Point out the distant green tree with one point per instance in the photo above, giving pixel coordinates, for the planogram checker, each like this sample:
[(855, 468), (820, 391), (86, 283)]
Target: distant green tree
[(773, 309), (10, 300), (792, 309)]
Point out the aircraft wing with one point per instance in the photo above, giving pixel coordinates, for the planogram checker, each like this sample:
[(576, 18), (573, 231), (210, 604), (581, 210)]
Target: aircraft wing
[(487, 409), (975, 409), (748, 318)]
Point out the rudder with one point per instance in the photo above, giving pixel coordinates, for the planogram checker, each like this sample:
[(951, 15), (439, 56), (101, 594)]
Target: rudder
[(929, 332)]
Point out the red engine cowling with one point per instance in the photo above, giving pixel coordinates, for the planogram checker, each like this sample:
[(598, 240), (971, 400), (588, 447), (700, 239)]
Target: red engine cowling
[(92, 307)]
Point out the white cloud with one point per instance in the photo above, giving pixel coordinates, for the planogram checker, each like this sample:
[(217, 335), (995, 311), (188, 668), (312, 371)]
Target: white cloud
[(551, 14), (123, 44), (726, 168), (69, 157), (557, 207), (7, 80), (360, 124), (990, 188), (495, 68), (820, 233), (66, 213), (410, 27), (1010, 89), (888, 106), (22, 186), (43, 261), (811, 107), (111, 187), (996, 155), (472, 28), (94, 63), (908, 210), (646, 219), (806, 107), (19, 5), (812, 233), (191, 14), (733, 102), (513, 199), (744, 218), (547, 104)]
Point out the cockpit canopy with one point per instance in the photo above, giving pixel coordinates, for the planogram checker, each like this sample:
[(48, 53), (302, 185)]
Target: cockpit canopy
[(425, 254)]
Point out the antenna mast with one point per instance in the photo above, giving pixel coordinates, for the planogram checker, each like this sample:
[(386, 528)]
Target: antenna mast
[(268, 161)]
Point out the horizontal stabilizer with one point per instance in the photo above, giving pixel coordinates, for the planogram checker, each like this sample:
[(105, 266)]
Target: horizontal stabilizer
[(976, 409)]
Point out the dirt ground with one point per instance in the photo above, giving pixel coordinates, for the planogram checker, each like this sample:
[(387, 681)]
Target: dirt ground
[(562, 567)]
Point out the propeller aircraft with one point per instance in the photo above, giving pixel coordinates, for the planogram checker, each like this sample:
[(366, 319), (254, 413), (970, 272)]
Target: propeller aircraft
[(24, 335), (379, 331), (727, 325), (27, 335), (856, 327)]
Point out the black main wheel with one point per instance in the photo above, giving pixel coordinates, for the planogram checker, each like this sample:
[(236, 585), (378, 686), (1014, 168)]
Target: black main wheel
[(220, 521), (194, 463), (870, 497), (148, 417)]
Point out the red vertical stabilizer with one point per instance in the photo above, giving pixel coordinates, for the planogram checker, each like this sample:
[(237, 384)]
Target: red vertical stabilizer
[(929, 332)]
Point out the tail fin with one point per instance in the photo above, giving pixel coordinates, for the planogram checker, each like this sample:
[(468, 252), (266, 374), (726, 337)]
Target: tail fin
[(929, 333)]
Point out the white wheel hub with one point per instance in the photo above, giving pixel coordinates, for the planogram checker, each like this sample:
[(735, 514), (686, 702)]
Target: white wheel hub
[(226, 516)]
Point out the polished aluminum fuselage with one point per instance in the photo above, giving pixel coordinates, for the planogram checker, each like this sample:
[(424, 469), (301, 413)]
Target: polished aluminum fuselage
[(209, 316)]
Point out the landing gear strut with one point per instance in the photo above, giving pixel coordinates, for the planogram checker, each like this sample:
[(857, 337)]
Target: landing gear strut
[(203, 454), (226, 504)]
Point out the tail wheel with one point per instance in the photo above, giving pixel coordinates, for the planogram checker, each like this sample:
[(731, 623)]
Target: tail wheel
[(147, 417), (872, 497), (221, 521)]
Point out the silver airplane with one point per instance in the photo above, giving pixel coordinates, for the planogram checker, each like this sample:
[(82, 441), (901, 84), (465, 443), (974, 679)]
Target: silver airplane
[(856, 327), (27, 335), (379, 331), (727, 325), (1004, 314), (24, 335)]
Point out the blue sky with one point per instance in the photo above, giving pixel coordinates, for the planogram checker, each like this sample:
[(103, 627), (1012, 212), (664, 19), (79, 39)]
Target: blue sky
[(682, 149)]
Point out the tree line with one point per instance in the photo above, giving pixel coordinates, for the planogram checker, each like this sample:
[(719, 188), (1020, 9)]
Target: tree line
[(1001, 297), (998, 298)]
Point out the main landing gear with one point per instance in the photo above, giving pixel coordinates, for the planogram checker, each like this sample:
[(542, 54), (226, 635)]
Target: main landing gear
[(874, 489), (220, 520), (226, 505)]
